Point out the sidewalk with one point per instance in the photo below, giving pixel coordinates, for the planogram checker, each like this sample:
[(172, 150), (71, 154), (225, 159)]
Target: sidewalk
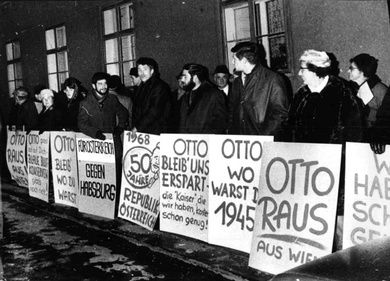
[(230, 263)]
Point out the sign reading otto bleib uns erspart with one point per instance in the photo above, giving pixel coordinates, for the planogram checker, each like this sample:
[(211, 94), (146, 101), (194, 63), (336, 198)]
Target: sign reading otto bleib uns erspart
[(296, 210)]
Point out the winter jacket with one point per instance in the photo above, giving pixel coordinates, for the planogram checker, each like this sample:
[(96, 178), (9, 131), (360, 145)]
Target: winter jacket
[(152, 107), (259, 106), (206, 113)]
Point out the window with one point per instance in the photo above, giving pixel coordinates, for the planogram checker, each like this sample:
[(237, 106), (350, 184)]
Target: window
[(57, 57), (264, 21), (14, 66), (119, 41)]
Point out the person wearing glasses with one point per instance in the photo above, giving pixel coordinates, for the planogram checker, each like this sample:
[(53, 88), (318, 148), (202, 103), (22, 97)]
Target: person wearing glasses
[(24, 113), (325, 109), (362, 73)]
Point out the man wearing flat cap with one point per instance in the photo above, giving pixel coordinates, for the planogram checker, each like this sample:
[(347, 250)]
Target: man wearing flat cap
[(258, 103)]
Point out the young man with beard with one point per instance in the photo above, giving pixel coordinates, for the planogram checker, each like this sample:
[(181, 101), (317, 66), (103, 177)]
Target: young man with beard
[(152, 106), (101, 113), (203, 108)]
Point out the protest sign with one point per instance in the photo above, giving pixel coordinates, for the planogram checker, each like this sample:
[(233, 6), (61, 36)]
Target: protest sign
[(235, 163), (140, 190), (367, 194), (184, 170), (16, 157), (97, 175), (38, 164), (296, 210), (64, 167)]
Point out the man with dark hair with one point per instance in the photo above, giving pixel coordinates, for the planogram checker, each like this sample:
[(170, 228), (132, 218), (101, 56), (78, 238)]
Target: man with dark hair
[(101, 113), (152, 106), (258, 103), (203, 108)]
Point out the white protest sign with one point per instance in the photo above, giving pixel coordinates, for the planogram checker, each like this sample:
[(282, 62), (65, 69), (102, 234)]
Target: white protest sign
[(64, 167), (367, 194), (38, 164), (139, 200), (97, 175), (296, 210), (184, 170), (235, 163), (16, 157)]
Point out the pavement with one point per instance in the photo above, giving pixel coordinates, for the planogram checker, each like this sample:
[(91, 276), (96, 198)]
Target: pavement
[(231, 264)]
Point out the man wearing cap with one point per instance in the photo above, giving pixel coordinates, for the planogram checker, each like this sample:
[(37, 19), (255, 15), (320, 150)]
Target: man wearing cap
[(23, 113), (258, 103), (152, 106), (325, 109)]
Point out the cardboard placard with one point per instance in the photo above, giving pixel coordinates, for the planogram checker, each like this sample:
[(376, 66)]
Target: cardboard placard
[(64, 168), (16, 157), (184, 172), (235, 163), (296, 210), (97, 175), (38, 164), (139, 200), (367, 194)]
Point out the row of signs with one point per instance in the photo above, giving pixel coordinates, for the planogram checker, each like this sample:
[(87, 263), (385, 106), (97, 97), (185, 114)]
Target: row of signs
[(276, 201)]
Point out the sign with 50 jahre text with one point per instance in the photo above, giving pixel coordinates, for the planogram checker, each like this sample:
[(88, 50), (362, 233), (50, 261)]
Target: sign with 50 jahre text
[(184, 173), (367, 194), (235, 163), (38, 164), (139, 200), (64, 167), (16, 157), (296, 210), (97, 176)]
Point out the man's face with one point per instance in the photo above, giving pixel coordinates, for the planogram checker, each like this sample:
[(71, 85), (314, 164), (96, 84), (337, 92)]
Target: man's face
[(145, 72), (238, 64), (221, 79), (188, 80), (101, 87)]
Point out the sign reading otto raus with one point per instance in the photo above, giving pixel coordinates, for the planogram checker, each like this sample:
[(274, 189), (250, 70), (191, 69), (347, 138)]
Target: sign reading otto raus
[(296, 210), (16, 157), (235, 163), (38, 164), (64, 168), (367, 194), (97, 175), (184, 172), (139, 201)]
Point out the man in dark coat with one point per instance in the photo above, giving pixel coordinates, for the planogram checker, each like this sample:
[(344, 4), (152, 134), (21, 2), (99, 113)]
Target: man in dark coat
[(259, 103), (152, 106), (222, 80), (203, 108)]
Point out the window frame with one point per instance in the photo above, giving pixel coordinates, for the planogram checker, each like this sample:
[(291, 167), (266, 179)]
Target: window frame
[(14, 61), (118, 37), (56, 51), (230, 4)]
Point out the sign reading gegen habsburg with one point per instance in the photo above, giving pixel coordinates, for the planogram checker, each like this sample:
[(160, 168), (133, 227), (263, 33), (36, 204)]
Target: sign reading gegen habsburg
[(139, 200), (235, 163), (64, 167), (16, 157), (296, 210), (367, 194), (184, 170), (97, 176), (38, 164)]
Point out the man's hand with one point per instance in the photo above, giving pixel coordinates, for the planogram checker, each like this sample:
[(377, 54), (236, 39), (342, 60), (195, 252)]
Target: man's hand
[(378, 145), (100, 135)]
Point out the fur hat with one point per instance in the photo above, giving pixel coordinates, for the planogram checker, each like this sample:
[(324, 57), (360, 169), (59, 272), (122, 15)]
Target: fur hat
[(46, 93), (317, 58)]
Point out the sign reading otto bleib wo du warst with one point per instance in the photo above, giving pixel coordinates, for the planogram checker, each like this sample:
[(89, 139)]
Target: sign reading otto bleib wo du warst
[(296, 210)]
